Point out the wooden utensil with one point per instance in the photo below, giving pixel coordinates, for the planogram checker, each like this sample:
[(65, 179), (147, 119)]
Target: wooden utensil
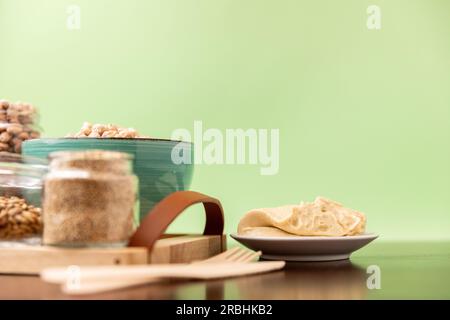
[(99, 279), (236, 254), (61, 275)]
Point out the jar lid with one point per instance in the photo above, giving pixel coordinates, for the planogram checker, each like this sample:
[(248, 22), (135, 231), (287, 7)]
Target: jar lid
[(90, 155), (18, 158), (92, 161), (19, 165)]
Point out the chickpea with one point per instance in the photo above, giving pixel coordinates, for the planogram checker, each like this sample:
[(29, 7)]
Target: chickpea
[(105, 131)]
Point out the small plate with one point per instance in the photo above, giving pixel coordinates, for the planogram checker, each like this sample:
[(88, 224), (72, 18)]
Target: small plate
[(306, 248)]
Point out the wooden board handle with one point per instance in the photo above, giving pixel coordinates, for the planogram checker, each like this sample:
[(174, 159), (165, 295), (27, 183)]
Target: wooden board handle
[(164, 212)]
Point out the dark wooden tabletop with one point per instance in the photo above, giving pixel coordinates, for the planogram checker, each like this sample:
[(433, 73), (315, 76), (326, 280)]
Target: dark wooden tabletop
[(407, 271)]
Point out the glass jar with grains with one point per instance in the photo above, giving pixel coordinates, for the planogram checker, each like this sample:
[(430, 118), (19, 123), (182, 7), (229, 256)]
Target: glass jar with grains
[(18, 122), (89, 200), (21, 181)]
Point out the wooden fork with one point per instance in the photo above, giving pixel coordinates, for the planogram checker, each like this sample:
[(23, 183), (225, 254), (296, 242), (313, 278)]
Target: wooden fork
[(235, 255), (100, 279)]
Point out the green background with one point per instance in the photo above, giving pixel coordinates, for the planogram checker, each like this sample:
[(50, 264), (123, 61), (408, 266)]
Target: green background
[(364, 115)]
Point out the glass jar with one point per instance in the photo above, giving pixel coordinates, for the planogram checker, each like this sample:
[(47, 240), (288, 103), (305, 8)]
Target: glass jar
[(18, 122), (21, 180), (90, 199)]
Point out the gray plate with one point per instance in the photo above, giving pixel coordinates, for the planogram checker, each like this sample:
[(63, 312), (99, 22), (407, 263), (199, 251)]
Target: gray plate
[(306, 248)]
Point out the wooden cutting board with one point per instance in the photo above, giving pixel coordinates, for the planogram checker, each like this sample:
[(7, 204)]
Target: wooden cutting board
[(168, 249)]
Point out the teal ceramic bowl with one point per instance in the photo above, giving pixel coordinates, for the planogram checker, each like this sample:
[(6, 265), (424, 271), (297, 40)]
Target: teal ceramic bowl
[(152, 162)]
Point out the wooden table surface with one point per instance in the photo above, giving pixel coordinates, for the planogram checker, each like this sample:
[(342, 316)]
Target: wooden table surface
[(408, 271)]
